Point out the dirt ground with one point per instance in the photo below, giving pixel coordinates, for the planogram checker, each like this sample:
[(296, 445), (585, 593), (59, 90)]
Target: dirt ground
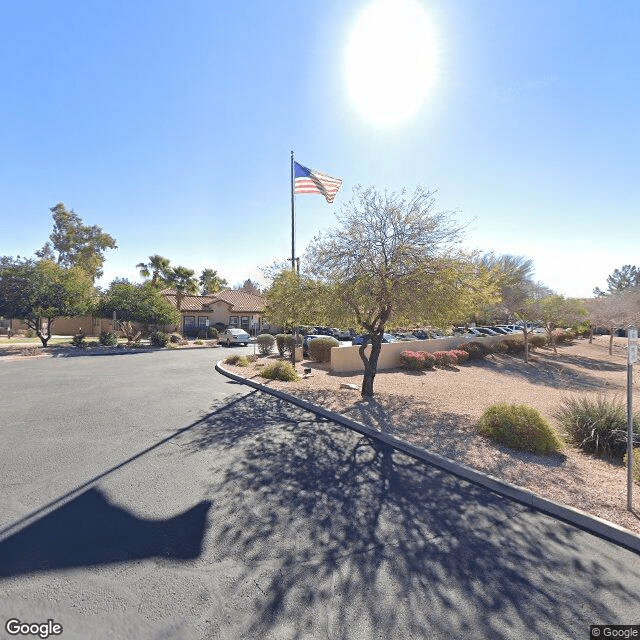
[(439, 410)]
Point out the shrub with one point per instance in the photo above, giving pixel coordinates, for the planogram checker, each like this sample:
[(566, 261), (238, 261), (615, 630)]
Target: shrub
[(445, 358), (428, 360), (233, 359), (519, 427), (266, 342), (281, 370), (172, 345), (635, 467), (211, 333), (108, 339), (159, 339), (563, 335), (515, 344), (79, 340), (460, 355), (537, 340), (501, 347), (29, 333), (476, 350), (597, 424), (285, 342), (198, 342), (93, 343), (412, 360), (175, 338), (320, 348)]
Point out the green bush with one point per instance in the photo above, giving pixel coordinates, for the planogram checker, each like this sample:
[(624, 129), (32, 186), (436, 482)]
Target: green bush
[(212, 333), (519, 427), (29, 333), (198, 342), (597, 424), (266, 342), (476, 350), (286, 343), (280, 370), (320, 348), (515, 344), (537, 340), (108, 339), (175, 338), (159, 339), (79, 340), (501, 347), (635, 467)]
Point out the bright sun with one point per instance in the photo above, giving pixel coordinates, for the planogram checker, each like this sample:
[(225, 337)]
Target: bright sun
[(390, 60)]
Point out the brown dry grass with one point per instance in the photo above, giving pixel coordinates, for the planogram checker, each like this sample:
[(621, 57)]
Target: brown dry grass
[(439, 409)]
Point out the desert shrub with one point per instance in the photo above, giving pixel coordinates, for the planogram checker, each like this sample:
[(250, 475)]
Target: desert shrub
[(537, 340), (515, 344), (635, 466), (285, 343), (320, 348), (476, 350), (159, 339), (280, 370), (412, 360), (108, 339), (428, 360), (445, 358), (175, 338), (233, 359), (519, 427), (211, 333), (597, 424), (79, 340), (93, 343), (198, 342), (460, 355), (561, 335), (31, 351), (266, 342), (501, 347), (172, 345), (29, 333)]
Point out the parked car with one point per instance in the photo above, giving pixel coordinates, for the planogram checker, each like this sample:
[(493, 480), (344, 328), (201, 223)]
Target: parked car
[(340, 334), (234, 336), (487, 331), (386, 337)]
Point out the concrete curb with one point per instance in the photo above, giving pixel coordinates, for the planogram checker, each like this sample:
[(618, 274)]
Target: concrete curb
[(591, 524)]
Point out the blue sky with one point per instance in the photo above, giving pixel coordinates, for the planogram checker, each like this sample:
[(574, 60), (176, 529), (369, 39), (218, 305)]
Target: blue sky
[(170, 125)]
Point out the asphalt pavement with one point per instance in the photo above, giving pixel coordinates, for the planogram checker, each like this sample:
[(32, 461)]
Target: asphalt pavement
[(146, 496)]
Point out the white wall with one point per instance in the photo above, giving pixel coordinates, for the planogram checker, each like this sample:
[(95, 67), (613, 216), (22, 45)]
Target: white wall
[(347, 359)]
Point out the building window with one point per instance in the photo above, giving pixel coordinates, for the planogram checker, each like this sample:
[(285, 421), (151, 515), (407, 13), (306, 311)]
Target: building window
[(189, 322), (233, 321), (202, 322), (245, 322)]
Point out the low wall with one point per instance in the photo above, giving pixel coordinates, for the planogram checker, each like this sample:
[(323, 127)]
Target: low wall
[(347, 359)]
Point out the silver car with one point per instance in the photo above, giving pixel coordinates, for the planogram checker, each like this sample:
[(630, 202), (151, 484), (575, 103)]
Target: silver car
[(234, 336)]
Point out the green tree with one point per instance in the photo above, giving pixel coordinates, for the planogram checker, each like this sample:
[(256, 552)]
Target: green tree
[(157, 269), (557, 311), (248, 286), (621, 279), (141, 303), (210, 282), (38, 291), (392, 261), (182, 280), (74, 244)]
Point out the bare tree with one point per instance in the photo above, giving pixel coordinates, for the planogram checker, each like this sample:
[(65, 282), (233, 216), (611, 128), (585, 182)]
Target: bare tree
[(615, 311)]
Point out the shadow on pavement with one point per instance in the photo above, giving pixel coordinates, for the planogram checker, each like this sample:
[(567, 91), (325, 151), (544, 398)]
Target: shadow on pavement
[(331, 525), (91, 531)]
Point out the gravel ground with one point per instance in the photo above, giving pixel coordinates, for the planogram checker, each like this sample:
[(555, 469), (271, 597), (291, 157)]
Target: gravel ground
[(439, 409)]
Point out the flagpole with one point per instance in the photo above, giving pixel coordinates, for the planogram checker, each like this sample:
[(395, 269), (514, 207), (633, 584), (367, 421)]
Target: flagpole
[(293, 222)]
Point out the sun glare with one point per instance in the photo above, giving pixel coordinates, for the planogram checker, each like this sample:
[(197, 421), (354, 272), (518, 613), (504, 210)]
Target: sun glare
[(390, 60)]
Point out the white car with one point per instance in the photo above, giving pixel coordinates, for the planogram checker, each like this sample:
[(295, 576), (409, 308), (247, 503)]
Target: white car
[(234, 336)]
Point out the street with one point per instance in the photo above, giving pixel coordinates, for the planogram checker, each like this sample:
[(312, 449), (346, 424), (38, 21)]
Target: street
[(147, 496)]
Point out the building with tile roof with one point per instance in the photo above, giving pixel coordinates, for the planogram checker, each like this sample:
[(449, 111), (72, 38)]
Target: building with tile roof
[(231, 308)]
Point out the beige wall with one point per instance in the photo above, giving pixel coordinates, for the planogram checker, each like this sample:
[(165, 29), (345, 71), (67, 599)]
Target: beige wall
[(347, 359)]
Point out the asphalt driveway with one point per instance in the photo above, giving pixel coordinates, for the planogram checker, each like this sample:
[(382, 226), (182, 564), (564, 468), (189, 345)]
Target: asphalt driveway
[(146, 496)]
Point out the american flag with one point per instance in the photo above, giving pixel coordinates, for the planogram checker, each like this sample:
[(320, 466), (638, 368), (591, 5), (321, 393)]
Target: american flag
[(308, 181)]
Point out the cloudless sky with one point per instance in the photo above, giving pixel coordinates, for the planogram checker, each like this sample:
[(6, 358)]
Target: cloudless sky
[(170, 125)]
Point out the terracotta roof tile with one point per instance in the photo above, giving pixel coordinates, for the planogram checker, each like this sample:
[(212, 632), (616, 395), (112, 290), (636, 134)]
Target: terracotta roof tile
[(239, 301)]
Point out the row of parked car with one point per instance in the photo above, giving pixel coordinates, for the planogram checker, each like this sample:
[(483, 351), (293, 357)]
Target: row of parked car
[(503, 329)]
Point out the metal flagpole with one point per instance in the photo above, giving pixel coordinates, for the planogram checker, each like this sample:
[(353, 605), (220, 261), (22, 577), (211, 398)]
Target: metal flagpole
[(293, 222)]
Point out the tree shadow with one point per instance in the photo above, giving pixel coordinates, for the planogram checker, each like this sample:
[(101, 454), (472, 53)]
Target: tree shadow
[(91, 531), (329, 523)]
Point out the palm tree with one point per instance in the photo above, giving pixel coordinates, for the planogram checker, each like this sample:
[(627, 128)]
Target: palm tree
[(158, 268), (182, 280), (211, 282)]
